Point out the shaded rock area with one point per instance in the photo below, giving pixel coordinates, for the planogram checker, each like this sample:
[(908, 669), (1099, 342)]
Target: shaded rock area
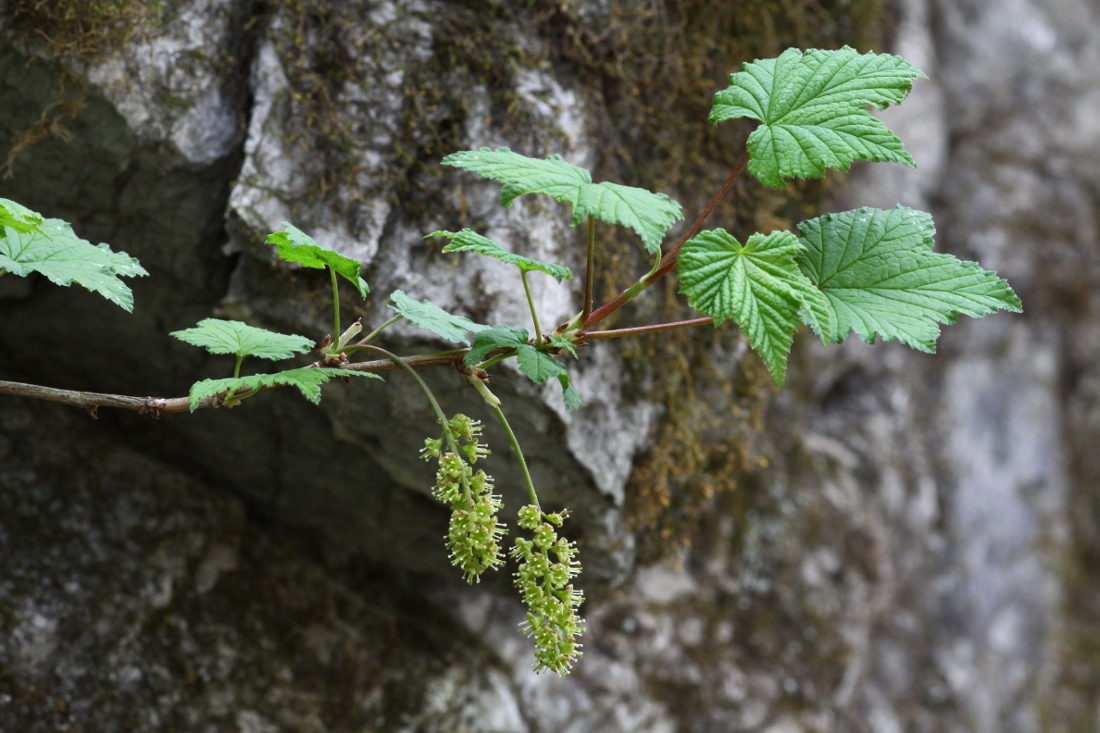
[(893, 542)]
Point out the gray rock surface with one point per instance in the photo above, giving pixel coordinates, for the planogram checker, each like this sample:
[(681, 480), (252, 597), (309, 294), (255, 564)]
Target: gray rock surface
[(912, 546)]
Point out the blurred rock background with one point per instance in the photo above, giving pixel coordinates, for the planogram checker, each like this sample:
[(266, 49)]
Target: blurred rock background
[(893, 542)]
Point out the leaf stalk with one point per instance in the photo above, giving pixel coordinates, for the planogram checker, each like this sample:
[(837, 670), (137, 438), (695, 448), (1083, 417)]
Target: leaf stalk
[(668, 263), (335, 307), (531, 305), (639, 330), (370, 336), (589, 274)]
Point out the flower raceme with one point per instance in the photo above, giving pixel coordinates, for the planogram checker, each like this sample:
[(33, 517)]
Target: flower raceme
[(547, 564), (474, 532)]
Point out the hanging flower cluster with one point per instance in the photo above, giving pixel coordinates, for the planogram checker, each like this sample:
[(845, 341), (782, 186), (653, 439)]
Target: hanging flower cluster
[(547, 564), (474, 533)]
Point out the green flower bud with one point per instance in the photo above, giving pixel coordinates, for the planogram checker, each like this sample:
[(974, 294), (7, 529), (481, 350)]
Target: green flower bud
[(545, 536), (432, 449), (529, 517)]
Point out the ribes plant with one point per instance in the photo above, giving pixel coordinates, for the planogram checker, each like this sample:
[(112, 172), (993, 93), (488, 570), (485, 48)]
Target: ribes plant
[(870, 271)]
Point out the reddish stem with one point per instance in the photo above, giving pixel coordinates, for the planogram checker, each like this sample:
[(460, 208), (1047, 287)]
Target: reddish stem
[(637, 330), (668, 262)]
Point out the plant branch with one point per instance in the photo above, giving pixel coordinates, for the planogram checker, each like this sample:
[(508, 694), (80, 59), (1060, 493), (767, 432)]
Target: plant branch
[(519, 455), (157, 406), (237, 366), (531, 304), (91, 400), (638, 330), (669, 260), (588, 270)]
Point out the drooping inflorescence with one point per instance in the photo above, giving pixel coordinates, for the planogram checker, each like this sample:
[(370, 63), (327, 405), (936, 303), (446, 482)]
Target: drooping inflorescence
[(474, 533), (547, 564)]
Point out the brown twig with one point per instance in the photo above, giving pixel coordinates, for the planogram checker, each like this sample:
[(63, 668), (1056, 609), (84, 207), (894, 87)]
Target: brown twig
[(157, 406)]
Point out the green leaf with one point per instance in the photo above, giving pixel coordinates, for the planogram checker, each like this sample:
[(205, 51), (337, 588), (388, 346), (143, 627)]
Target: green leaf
[(492, 338), (18, 218), (470, 241), (432, 318), (294, 245), (813, 111), (560, 342), (880, 277), (54, 250), (758, 285), (308, 381), (233, 337), (569, 394), (649, 214), (537, 365)]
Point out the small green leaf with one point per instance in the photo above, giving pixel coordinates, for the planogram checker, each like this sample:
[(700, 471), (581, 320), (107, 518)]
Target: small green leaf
[(470, 241), (18, 218), (308, 381), (432, 318), (757, 285), (569, 394), (560, 342), (813, 111), (233, 337), (294, 245), (54, 250), (537, 365), (649, 214), (880, 277), (492, 338)]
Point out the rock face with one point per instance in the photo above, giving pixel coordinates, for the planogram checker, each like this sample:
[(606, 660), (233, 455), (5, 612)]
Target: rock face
[(912, 543)]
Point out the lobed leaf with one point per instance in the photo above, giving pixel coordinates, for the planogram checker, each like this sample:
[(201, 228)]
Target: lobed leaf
[(294, 245), (307, 380), (569, 394), (54, 250), (432, 318), (18, 218), (812, 108), (649, 214), (757, 285), (493, 338), (880, 277), (537, 365), (233, 337), (470, 241)]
